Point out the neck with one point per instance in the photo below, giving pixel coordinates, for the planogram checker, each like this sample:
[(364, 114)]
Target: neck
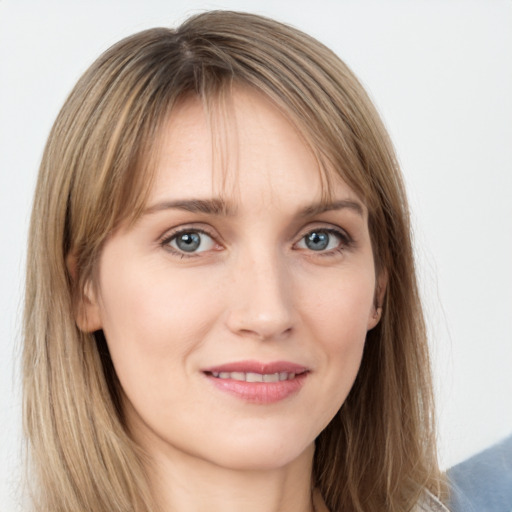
[(184, 483)]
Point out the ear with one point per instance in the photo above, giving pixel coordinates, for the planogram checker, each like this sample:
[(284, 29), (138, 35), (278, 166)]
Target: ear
[(380, 292), (86, 306)]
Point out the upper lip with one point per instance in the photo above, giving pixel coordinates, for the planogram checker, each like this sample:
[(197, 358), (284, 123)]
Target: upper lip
[(258, 367)]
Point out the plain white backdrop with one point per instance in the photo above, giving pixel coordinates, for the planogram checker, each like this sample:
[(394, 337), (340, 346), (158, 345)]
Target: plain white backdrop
[(440, 73)]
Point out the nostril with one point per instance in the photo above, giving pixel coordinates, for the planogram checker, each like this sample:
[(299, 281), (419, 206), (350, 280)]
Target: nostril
[(263, 331)]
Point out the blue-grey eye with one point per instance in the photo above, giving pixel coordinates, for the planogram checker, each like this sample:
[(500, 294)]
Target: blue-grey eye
[(192, 241), (320, 240)]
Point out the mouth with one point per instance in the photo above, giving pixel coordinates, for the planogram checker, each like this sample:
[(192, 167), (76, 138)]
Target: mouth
[(258, 383), (254, 377)]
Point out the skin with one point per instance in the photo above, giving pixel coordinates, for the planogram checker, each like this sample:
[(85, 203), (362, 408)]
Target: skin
[(254, 291)]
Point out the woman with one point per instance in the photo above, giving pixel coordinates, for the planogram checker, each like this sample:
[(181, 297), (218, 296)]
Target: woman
[(221, 306)]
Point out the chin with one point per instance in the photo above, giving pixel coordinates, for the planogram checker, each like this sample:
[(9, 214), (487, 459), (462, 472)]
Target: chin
[(254, 455)]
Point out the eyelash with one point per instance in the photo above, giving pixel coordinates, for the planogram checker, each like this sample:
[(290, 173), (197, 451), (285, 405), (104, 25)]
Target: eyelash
[(346, 242), (169, 237)]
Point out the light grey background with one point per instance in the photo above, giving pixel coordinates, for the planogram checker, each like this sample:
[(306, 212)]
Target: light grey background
[(440, 73)]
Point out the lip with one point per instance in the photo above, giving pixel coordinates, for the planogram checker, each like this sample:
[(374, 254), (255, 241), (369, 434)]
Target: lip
[(259, 392), (258, 367)]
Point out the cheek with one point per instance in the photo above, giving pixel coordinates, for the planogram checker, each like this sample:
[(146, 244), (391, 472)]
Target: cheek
[(152, 320), (151, 298), (337, 316), (340, 305), (341, 327)]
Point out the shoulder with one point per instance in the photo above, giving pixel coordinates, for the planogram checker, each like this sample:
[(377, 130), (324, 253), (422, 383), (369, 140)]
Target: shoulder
[(484, 482), (429, 503)]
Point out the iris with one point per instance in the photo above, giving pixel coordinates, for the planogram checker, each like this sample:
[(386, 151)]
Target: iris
[(188, 242), (317, 240)]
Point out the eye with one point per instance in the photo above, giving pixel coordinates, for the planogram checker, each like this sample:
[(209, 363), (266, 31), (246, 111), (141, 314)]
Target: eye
[(190, 241), (322, 240)]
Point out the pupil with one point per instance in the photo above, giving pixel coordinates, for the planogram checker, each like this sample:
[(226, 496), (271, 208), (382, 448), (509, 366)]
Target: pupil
[(188, 242), (317, 241)]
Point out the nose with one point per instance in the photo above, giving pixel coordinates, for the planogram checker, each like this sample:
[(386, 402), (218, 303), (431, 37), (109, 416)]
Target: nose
[(261, 298)]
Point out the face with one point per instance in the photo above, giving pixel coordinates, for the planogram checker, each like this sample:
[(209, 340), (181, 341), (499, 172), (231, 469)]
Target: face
[(236, 308)]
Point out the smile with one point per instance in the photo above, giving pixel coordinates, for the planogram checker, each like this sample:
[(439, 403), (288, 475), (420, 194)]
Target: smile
[(254, 377), (258, 383)]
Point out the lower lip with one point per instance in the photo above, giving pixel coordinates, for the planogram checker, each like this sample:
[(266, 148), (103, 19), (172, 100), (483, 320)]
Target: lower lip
[(259, 392)]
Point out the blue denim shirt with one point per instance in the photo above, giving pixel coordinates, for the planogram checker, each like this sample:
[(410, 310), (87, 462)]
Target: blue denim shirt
[(483, 483)]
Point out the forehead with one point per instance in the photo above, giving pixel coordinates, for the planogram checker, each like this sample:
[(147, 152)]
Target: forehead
[(240, 147)]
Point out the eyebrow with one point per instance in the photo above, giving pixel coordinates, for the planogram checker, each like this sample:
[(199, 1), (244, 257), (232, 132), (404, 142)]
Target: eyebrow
[(220, 207), (207, 206), (318, 208)]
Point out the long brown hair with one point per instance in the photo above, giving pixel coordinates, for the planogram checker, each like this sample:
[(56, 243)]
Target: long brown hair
[(378, 453)]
